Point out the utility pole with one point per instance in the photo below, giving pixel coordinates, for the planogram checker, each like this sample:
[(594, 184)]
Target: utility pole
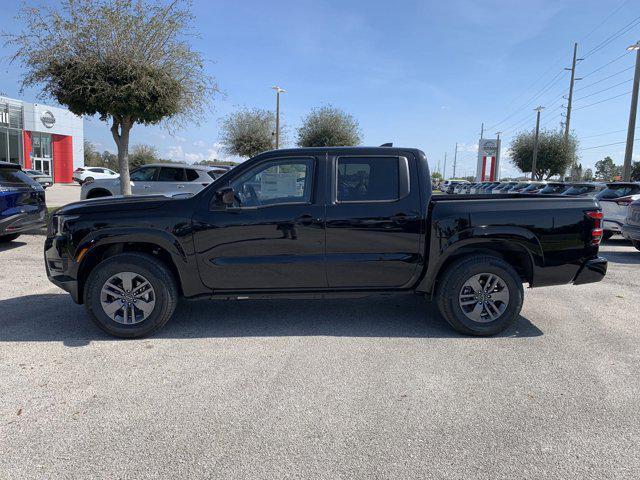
[(455, 159), (278, 92), (482, 131), (535, 143), (628, 152), (498, 173), (567, 122), (444, 171)]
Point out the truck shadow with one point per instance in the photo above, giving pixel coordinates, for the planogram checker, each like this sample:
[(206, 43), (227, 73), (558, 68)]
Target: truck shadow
[(55, 318)]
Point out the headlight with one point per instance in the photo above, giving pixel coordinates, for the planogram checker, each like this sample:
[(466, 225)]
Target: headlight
[(60, 223)]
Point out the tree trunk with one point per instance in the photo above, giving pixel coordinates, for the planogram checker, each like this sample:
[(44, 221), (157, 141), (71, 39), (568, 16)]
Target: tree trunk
[(120, 130)]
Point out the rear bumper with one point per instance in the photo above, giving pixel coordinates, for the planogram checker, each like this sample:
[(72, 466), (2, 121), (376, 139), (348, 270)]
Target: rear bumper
[(591, 271), (631, 232), (22, 222)]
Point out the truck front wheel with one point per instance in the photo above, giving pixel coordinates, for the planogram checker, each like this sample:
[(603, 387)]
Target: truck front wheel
[(130, 295), (480, 295)]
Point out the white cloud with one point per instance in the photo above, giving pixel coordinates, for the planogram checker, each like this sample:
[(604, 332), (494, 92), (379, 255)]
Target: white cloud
[(199, 143), (175, 152), (194, 157)]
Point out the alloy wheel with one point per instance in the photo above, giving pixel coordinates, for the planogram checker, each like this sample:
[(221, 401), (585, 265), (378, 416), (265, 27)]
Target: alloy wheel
[(127, 298), (484, 297)]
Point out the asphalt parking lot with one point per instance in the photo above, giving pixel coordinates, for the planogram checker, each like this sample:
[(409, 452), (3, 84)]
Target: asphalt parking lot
[(373, 388)]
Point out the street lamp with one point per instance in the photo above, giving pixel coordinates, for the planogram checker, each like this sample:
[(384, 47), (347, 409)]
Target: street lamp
[(628, 152), (278, 92)]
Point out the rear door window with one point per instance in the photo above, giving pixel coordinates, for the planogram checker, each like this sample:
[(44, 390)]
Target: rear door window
[(171, 174), (192, 175), (12, 177), (362, 179)]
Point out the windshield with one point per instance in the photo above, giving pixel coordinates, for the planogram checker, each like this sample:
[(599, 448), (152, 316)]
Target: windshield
[(579, 190), (616, 191)]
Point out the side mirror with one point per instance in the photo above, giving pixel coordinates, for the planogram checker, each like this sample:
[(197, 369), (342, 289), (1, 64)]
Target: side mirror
[(227, 196)]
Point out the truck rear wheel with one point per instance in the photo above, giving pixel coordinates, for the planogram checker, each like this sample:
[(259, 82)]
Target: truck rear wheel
[(480, 295), (130, 295)]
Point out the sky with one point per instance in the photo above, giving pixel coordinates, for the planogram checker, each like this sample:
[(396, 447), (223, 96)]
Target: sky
[(422, 74)]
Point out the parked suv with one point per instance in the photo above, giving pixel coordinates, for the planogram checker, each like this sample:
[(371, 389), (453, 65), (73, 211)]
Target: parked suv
[(164, 179), (631, 228), (584, 189), (89, 174), (22, 202), (615, 200)]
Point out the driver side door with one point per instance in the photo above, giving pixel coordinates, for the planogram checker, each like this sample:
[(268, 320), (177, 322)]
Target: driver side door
[(273, 235)]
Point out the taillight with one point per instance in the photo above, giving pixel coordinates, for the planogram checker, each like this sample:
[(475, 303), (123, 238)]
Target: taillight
[(624, 201), (596, 231)]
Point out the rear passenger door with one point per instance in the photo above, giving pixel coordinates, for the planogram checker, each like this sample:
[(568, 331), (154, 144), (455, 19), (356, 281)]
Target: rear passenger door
[(171, 181), (373, 222)]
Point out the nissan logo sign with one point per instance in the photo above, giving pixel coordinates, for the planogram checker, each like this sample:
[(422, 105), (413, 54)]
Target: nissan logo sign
[(47, 119)]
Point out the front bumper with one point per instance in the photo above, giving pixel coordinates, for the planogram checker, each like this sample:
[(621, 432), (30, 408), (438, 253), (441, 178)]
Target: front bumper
[(631, 232), (591, 271), (60, 266), (22, 222)]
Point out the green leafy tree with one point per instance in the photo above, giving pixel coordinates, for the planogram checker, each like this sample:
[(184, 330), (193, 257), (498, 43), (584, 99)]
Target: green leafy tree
[(588, 175), (606, 169), (554, 155), (109, 160), (248, 132), (141, 155), (91, 156), (635, 172), (126, 61), (329, 126), (436, 176)]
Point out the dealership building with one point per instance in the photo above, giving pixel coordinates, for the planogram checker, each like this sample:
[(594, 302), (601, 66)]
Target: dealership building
[(49, 139)]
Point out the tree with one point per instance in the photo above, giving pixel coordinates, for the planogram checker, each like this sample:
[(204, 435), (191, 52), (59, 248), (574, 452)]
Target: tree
[(91, 156), (125, 60), (214, 162), (436, 176), (635, 172), (248, 132), (606, 169), (588, 175), (141, 155), (554, 155), (328, 127), (109, 160)]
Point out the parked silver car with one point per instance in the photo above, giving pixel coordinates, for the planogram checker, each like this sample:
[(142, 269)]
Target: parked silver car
[(615, 201), (155, 179), (43, 179)]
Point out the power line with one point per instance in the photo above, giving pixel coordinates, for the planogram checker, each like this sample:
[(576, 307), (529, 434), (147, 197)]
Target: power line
[(604, 89), (606, 64), (607, 145), (602, 101), (603, 134), (612, 37), (603, 79), (604, 21)]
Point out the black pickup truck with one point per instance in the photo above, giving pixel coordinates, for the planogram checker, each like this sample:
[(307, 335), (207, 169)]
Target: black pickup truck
[(321, 223)]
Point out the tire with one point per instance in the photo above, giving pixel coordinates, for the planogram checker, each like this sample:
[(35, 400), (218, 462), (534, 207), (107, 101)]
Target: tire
[(9, 238), (607, 235), (454, 284), (636, 243), (164, 294)]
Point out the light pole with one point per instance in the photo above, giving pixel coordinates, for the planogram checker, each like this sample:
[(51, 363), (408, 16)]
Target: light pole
[(498, 173), (278, 92), (535, 142), (628, 152)]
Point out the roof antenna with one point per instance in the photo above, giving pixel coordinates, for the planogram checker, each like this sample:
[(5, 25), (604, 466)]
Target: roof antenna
[(390, 144)]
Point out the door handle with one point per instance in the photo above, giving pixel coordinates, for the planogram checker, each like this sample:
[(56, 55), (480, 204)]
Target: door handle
[(146, 186), (402, 218), (180, 186), (305, 219)]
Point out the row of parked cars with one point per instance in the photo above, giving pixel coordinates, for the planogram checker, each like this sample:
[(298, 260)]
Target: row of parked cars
[(620, 201)]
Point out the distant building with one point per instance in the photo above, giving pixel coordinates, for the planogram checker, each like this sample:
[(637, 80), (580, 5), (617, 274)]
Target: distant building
[(49, 139)]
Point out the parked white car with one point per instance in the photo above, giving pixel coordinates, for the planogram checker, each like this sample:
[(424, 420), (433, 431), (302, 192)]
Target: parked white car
[(170, 179), (83, 174), (615, 201)]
